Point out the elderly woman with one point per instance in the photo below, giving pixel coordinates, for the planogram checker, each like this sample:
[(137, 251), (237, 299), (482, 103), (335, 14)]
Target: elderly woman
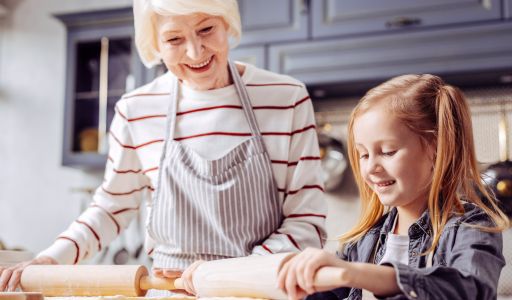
[(228, 152)]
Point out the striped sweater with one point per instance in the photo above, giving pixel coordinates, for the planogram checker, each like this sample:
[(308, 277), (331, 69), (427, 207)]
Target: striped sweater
[(211, 123)]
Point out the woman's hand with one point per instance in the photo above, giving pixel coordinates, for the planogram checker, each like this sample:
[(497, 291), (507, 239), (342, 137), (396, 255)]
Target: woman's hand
[(10, 276), (296, 277), (186, 276)]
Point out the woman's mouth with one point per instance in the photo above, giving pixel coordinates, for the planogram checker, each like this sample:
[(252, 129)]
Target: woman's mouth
[(202, 66)]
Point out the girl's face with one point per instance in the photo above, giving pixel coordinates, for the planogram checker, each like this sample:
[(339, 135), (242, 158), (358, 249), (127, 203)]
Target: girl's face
[(393, 161), (195, 48)]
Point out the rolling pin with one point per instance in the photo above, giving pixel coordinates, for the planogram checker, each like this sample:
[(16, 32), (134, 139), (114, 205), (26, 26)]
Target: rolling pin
[(91, 280), (252, 276)]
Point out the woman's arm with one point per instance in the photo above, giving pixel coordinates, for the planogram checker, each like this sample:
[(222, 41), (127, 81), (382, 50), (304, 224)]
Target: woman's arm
[(304, 206), (115, 202)]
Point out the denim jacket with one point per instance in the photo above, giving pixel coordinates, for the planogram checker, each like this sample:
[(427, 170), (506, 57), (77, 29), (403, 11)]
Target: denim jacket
[(466, 264)]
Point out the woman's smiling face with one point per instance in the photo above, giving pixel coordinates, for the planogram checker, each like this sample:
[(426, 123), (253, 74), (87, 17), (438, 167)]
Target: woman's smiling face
[(393, 160), (195, 48)]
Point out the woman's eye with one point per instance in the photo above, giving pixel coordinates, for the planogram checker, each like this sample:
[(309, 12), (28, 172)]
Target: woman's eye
[(174, 40), (206, 30)]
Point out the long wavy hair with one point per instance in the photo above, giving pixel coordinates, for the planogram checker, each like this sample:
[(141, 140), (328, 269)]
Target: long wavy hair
[(439, 114)]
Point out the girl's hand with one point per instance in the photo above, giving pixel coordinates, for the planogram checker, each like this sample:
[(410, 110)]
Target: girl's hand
[(296, 277), (10, 276)]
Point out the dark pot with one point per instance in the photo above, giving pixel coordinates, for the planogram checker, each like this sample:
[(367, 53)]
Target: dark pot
[(498, 177)]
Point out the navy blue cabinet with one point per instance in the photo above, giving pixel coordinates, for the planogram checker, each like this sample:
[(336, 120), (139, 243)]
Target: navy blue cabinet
[(101, 65), (508, 9), (265, 21), (468, 49), (342, 17)]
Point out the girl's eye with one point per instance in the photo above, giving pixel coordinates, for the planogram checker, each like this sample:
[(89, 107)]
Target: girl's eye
[(206, 30), (363, 156), (389, 153)]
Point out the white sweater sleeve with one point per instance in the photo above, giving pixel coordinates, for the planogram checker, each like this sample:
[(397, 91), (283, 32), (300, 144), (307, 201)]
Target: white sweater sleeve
[(115, 202), (304, 206)]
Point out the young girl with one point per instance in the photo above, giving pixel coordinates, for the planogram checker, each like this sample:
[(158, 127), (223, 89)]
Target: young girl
[(424, 232)]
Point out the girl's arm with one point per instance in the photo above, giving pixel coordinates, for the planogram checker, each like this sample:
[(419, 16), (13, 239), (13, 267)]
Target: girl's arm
[(297, 275), (467, 265)]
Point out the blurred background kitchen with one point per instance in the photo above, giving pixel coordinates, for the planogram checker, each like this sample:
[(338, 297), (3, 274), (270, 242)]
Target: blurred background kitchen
[(64, 64)]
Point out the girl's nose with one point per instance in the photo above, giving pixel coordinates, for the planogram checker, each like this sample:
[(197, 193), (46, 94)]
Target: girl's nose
[(373, 165)]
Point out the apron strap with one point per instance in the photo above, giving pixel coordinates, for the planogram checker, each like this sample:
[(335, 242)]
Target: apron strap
[(244, 99)]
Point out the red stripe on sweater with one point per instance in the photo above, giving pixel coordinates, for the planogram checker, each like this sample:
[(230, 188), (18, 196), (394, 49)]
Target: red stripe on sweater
[(305, 188), (93, 232), (266, 248), (118, 228), (290, 133), (294, 163), (127, 193), (150, 170), (126, 171), (208, 108), (145, 94), (245, 133), (124, 210), (135, 147), (305, 215), (256, 107), (213, 133), (146, 117), (76, 246), (273, 84), (291, 239), (319, 236)]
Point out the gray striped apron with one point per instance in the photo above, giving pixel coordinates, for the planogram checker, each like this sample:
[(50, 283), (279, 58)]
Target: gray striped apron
[(213, 209)]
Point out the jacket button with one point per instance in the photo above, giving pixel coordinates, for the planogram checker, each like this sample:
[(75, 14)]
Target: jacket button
[(413, 294)]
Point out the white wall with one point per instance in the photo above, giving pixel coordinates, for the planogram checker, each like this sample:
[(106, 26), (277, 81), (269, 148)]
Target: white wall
[(36, 198)]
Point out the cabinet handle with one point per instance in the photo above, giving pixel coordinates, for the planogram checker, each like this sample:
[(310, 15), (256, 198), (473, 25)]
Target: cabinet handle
[(400, 22), (103, 97), (304, 7)]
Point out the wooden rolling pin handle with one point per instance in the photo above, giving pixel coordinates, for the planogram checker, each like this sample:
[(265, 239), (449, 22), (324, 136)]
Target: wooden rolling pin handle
[(329, 276), (158, 283)]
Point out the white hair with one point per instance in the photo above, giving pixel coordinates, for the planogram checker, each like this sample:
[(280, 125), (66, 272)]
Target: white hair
[(145, 12)]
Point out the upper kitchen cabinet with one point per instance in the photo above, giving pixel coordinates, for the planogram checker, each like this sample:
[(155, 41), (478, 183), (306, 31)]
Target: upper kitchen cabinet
[(478, 50), (101, 65), (265, 21), (508, 9), (343, 17)]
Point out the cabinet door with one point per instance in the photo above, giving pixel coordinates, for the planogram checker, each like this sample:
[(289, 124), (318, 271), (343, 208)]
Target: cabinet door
[(252, 55), (101, 66), (340, 17), (266, 21), (468, 50), (508, 9)]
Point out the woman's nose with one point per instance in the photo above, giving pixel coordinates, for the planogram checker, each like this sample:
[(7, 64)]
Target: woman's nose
[(195, 49)]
